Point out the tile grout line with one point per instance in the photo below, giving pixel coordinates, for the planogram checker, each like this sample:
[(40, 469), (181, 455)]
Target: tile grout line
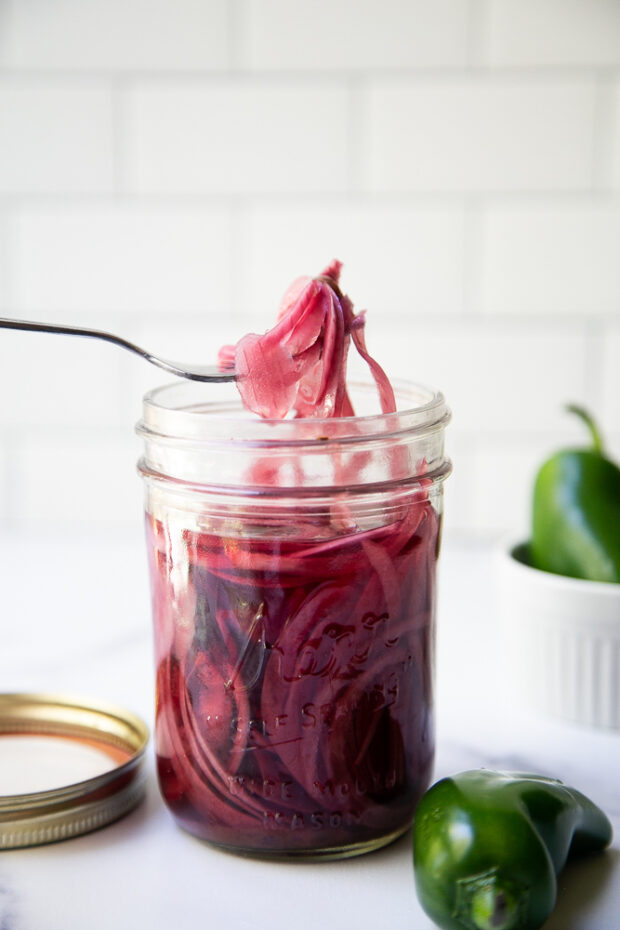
[(605, 131), (239, 258), (11, 489), (477, 47), (477, 34), (403, 197), (7, 262), (357, 105), (237, 17), (594, 360), (473, 258), (118, 91)]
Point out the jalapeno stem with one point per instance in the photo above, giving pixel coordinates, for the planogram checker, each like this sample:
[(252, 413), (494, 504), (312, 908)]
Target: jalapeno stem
[(597, 440)]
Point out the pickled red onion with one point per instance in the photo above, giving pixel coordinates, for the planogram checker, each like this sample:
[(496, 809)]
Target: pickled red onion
[(299, 366)]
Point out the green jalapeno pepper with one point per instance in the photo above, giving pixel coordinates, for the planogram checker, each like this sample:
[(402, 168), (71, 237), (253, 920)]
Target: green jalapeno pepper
[(576, 512), (488, 847)]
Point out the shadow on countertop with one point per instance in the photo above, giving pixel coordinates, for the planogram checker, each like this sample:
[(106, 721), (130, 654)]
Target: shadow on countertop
[(583, 900)]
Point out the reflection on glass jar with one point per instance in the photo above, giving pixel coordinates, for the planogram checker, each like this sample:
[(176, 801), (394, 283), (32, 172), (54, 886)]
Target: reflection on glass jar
[(293, 578)]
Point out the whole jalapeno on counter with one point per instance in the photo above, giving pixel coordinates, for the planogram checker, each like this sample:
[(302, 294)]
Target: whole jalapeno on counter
[(576, 512), (488, 847)]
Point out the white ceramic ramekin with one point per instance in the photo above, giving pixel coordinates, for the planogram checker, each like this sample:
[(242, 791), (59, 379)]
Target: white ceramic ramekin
[(561, 642)]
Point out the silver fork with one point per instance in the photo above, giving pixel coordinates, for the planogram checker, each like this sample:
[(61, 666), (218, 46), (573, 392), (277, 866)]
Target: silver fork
[(192, 372)]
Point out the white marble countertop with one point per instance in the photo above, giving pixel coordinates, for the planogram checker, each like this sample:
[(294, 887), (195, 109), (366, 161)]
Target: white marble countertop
[(75, 618)]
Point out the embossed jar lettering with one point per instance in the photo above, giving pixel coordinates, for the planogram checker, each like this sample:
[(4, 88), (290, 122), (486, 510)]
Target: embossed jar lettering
[(294, 619)]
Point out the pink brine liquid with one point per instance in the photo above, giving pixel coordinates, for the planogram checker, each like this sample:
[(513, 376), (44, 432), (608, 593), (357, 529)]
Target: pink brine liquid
[(294, 680)]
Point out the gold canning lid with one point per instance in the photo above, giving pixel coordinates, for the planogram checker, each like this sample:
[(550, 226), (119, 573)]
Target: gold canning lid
[(66, 767)]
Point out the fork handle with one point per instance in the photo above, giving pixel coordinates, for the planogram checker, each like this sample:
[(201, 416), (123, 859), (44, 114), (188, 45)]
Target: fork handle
[(195, 373), (38, 327)]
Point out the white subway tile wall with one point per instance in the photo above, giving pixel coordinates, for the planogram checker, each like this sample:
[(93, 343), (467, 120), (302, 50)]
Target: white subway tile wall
[(557, 258), (4, 257), (115, 35), (421, 271), (362, 35), (47, 382), (611, 382), (554, 32), (168, 166), (82, 474), (236, 136), (56, 135), (120, 257), (614, 120), (4, 487), (474, 134)]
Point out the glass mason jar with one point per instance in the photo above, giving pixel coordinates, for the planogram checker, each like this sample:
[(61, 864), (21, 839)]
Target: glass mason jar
[(293, 568)]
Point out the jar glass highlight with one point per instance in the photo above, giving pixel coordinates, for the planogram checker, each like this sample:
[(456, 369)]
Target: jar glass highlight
[(293, 568)]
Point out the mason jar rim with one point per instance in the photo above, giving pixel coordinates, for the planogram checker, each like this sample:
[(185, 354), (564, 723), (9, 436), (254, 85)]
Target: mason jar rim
[(182, 412)]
